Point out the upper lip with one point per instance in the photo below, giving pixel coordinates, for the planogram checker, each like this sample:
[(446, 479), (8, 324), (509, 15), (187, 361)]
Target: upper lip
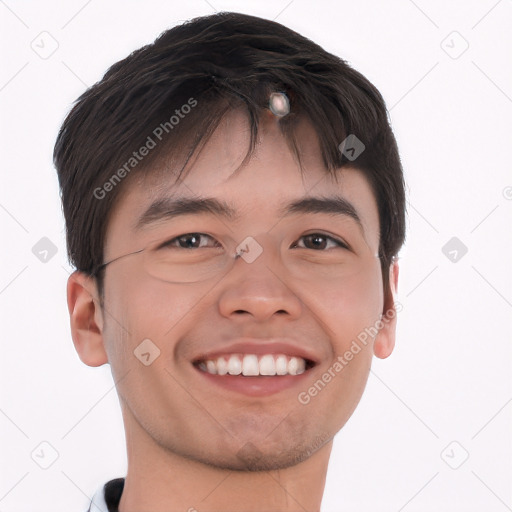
[(260, 347)]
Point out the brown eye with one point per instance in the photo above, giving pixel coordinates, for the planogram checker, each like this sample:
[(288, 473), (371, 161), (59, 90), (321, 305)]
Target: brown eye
[(319, 241), (187, 241)]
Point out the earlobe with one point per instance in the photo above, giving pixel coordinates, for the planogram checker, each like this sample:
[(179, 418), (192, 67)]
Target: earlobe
[(86, 319), (385, 340)]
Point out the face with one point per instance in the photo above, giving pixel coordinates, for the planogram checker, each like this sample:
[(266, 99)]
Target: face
[(305, 285)]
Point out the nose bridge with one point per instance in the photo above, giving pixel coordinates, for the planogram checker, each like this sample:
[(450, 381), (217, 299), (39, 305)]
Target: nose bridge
[(262, 258), (256, 283), (257, 249)]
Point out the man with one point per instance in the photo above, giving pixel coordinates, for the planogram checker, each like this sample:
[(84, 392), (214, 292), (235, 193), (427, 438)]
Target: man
[(234, 205)]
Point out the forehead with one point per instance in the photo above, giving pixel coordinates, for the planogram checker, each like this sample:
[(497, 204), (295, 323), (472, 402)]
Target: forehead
[(256, 192)]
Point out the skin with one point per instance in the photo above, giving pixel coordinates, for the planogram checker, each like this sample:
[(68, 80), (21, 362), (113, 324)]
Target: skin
[(190, 445)]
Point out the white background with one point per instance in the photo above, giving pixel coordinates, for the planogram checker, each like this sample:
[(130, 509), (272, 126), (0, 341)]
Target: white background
[(449, 378)]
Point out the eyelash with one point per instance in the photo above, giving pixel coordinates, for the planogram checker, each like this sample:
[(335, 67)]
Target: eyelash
[(339, 243)]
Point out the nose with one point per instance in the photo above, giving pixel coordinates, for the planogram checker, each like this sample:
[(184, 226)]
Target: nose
[(258, 290)]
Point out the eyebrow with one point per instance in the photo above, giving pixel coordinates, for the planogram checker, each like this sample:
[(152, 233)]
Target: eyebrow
[(169, 208)]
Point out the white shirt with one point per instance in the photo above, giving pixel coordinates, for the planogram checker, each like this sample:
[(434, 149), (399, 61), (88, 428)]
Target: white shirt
[(110, 492), (98, 502)]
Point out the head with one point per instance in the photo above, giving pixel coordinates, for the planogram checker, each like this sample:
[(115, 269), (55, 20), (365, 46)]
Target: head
[(188, 118)]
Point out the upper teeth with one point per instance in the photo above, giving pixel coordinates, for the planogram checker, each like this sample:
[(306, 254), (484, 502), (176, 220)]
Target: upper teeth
[(252, 365)]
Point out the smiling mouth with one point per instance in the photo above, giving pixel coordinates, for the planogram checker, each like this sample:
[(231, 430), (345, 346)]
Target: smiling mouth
[(252, 365)]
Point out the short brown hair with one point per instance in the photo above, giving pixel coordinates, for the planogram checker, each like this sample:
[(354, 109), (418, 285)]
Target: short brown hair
[(223, 61)]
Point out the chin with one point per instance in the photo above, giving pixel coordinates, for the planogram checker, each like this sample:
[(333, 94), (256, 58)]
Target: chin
[(253, 458)]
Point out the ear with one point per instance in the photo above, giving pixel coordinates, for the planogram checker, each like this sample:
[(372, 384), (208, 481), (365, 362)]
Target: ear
[(385, 340), (86, 319)]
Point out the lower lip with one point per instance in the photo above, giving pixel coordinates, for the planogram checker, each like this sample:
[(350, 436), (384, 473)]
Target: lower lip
[(256, 385)]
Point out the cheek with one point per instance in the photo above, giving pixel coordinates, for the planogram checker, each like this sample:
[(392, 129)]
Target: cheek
[(348, 311), (143, 320), (139, 308), (146, 305), (352, 306)]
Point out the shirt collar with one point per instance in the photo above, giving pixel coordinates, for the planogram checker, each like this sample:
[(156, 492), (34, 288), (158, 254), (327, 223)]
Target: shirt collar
[(111, 493)]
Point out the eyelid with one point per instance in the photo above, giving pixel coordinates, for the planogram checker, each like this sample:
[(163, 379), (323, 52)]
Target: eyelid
[(339, 241), (168, 241), (334, 238)]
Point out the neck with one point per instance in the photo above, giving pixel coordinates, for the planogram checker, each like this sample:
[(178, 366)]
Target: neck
[(159, 480)]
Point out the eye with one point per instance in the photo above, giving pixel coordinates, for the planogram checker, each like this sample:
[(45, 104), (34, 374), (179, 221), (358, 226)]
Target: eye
[(188, 241), (320, 241)]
